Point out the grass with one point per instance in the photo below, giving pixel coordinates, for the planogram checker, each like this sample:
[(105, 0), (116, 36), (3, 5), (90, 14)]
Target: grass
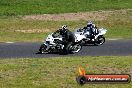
[(60, 72), (11, 28), (27, 7), (12, 24)]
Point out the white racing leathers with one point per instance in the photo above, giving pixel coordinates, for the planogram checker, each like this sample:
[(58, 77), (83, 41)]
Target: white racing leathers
[(84, 35)]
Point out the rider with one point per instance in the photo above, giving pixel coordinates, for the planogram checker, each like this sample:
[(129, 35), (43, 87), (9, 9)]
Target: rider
[(92, 28), (68, 37)]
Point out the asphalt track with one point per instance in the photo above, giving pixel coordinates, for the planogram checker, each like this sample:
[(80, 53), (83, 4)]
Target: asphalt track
[(29, 50)]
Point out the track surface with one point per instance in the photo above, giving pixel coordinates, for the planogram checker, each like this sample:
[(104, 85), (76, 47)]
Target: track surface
[(25, 50)]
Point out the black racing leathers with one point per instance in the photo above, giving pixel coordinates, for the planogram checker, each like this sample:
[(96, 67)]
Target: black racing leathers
[(68, 40)]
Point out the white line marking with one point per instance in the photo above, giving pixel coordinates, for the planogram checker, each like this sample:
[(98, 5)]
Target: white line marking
[(9, 42), (113, 39)]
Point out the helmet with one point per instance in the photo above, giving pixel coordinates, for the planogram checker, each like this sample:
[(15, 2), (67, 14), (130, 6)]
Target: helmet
[(64, 28), (89, 22)]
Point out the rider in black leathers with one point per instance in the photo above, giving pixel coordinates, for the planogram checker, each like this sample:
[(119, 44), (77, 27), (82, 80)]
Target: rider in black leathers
[(68, 38)]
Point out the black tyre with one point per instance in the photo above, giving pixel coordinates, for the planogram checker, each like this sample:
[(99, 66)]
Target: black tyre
[(66, 49), (99, 41), (75, 48), (43, 49), (62, 52)]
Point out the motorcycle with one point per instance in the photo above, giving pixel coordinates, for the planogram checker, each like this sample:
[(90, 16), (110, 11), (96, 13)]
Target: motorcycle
[(85, 38), (53, 44)]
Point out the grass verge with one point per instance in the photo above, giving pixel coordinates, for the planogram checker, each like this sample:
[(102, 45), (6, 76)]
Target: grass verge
[(118, 24), (28, 7), (60, 72)]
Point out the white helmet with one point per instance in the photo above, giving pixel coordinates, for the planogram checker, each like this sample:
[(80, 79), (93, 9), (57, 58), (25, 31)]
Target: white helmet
[(90, 23), (64, 27)]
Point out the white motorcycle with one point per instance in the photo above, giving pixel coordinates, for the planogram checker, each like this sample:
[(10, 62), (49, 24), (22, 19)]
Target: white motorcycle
[(84, 36), (53, 44)]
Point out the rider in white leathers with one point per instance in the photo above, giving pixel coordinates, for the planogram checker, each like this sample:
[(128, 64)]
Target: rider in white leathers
[(92, 29)]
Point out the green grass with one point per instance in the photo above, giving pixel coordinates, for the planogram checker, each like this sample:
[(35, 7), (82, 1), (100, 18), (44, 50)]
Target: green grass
[(8, 30), (60, 72), (12, 11), (26, 7), (118, 26)]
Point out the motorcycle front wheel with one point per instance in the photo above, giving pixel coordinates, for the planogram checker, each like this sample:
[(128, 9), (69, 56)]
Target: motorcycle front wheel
[(100, 41), (43, 48)]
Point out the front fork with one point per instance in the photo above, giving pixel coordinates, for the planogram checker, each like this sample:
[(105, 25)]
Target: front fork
[(47, 46)]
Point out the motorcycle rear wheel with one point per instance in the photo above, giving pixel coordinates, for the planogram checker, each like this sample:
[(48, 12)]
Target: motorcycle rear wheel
[(100, 41), (76, 48), (43, 49)]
